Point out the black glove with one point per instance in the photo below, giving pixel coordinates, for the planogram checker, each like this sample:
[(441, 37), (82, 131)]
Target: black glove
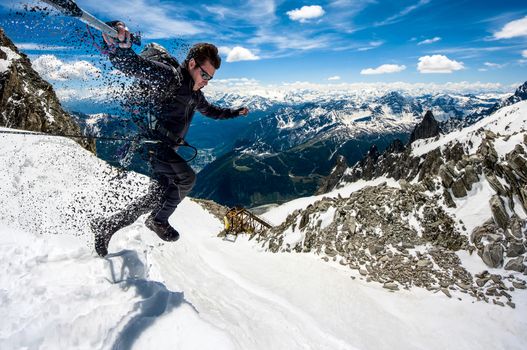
[(239, 111)]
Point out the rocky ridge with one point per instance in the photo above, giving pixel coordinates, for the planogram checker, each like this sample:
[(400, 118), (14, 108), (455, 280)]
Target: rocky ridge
[(412, 235), (520, 94), (28, 102)]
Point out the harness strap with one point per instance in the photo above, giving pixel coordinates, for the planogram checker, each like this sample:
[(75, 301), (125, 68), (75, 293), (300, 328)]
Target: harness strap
[(178, 141)]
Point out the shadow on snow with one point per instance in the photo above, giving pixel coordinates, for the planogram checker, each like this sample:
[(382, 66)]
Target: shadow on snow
[(156, 299)]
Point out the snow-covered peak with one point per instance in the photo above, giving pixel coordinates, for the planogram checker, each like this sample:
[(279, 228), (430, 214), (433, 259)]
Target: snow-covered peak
[(507, 120), (10, 55)]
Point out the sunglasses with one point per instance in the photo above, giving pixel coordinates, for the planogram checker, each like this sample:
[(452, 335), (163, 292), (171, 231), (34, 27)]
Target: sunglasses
[(204, 75)]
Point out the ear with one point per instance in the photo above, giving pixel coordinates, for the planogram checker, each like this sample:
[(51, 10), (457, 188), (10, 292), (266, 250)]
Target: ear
[(192, 63)]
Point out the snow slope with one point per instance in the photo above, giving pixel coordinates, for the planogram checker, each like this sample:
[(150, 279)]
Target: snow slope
[(199, 293), (503, 121)]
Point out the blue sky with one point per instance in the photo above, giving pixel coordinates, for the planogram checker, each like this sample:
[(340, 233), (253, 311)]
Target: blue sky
[(346, 41)]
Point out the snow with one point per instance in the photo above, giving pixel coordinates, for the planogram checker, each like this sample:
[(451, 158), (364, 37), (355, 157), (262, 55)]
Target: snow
[(200, 292), (11, 55), (327, 217), (503, 146), (278, 214), (474, 208), (499, 122)]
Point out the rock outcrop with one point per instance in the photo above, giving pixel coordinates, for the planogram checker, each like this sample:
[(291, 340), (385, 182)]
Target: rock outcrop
[(27, 101), (428, 127), (336, 174), (408, 235)]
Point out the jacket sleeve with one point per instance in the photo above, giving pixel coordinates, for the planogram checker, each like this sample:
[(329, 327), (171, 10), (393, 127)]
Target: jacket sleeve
[(215, 112), (154, 73)]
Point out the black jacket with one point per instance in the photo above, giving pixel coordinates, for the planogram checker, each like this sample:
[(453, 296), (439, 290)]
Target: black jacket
[(173, 100)]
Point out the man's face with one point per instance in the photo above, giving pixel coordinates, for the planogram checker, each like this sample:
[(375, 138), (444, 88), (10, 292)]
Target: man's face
[(201, 73)]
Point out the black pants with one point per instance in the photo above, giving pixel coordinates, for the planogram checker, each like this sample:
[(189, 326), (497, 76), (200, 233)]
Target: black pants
[(173, 179), (176, 179)]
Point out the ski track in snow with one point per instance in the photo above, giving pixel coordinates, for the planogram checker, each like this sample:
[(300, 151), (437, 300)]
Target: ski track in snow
[(200, 292)]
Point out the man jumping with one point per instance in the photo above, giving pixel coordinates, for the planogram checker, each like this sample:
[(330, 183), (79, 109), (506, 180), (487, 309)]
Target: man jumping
[(175, 94)]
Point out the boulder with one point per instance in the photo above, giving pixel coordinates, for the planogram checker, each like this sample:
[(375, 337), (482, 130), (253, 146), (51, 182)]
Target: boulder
[(515, 264), (304, 220), (470, 177), (495, 184), (431, 163), (515, 249), (492, 255), (499, 213), (519, 164), (391, 286), (375, 248), (482, 231), (459, 189), (447, 178), (449, 201), (516, 225), (523, 198), (487, 150), (455, 153)]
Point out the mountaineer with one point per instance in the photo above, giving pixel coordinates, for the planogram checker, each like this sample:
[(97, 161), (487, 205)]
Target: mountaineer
[(174, 94)]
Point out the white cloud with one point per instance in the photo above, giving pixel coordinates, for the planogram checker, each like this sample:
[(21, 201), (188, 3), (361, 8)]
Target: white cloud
[(482, 69), (155, 20), (429, 41), (233, 82), (306, 13), (97, 93), (281, 91), (238, 53), (251, 11), (289, 41), (335, 77), (51, 68), (40, 47), (384, 69), (513, 29), (494, 65), (524, 53), (371, 45), (438, 64), (397, 17), (224, 50)]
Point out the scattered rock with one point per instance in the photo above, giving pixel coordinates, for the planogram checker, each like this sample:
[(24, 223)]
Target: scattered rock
[(499, 212), (446, 292), (375, 248), (515, 264), (496, 302), (391, 286), (482, 281), (515, 249), (492, 255), (518, 285), (424, 263), (459, 189)]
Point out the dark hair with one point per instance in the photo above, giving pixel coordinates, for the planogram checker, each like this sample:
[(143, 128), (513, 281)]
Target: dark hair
[(202, 52)]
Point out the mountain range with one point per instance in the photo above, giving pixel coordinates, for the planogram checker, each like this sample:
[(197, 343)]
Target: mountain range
[(287, 153)]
